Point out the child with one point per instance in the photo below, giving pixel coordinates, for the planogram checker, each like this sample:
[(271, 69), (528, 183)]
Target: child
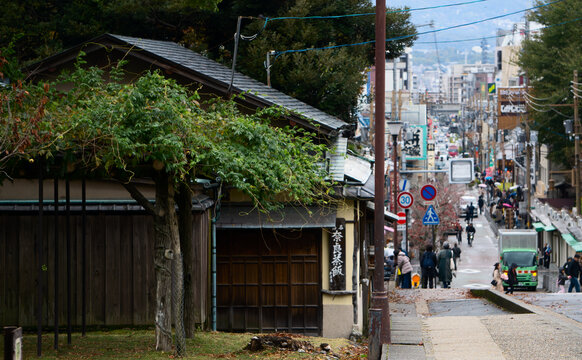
[(562, 277)]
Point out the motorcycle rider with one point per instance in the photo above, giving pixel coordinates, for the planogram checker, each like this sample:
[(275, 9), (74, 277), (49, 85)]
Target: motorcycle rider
[(470, 229)]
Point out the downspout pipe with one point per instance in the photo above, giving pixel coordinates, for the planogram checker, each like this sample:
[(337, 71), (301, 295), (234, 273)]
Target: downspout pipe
[(213, 271), (215, 218)]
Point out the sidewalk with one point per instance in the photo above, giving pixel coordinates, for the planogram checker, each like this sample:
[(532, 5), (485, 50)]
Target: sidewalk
[(517, 335)]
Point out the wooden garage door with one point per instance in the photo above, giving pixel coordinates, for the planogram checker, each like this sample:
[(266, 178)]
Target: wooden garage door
[(269, 281)]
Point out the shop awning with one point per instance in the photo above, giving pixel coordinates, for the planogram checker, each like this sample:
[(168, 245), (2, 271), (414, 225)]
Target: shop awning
[(549, 228), (538, 226), (574, 244)]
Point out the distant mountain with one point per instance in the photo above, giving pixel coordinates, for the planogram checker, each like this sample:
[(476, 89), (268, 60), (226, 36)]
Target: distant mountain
[(448, 55), (456, 15)]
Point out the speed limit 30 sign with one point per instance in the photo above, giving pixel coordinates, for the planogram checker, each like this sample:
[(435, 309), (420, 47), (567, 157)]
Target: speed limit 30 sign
[(405, 199)]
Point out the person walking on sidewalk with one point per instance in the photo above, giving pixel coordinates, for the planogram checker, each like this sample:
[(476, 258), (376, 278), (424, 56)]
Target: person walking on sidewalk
[(456, 254), (470, 212), (497, 283), (547, 253), (445, 266), (562, 277), (459, 230), (481, 202), (403, 263), (428, 267), (573, 273), (511, 278)]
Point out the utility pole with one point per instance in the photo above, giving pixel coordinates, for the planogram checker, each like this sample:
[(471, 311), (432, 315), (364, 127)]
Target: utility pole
[(527, 144), (577, 145), (379, 312)]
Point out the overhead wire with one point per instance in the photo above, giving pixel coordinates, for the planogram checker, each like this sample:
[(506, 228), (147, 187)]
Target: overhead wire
[(319, 17), (474, 22), (402, 37), (501, 35)]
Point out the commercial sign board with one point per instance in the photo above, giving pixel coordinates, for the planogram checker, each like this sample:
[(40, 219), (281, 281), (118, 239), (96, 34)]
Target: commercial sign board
[(414, 147), (511, 107)]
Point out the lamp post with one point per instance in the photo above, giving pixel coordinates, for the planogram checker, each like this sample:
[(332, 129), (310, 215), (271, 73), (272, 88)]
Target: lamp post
[(394, 128)]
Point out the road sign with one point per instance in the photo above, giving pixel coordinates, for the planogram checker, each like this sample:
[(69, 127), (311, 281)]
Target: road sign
[(401, 218), (431, 217), (400, 227), (404, 185), (428, 192), (405, 199)]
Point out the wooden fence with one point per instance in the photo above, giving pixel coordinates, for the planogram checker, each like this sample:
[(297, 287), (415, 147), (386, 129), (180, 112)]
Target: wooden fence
[(120, 279)]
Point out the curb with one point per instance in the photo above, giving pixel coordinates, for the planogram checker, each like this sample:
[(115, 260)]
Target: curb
[(506, 302)]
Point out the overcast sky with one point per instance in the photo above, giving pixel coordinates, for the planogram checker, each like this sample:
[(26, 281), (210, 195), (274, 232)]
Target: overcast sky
[(455, 15)]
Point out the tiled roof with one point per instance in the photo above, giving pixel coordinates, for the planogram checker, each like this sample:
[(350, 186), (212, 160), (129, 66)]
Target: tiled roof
[(210, 69)]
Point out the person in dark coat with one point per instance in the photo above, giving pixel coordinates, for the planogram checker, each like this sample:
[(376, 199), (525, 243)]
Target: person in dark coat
[(573, 273), (444, 265), (547, 253), (470, 212), (428, 264), (456, 254), (481, 202), (511, 278)]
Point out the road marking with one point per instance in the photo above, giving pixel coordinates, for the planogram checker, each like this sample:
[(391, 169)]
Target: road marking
[(469, 271)]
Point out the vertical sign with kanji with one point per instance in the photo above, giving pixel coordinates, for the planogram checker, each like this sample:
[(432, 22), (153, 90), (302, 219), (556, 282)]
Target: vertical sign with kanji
[(337, 256)]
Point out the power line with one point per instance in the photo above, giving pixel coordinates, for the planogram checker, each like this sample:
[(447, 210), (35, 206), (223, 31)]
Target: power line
[(502, 35), (402, 37), (473, 22), (319, 17)]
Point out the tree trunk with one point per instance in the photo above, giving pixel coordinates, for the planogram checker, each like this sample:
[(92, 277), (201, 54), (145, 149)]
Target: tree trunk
[(167, 250), (184, 200), (167, 259)]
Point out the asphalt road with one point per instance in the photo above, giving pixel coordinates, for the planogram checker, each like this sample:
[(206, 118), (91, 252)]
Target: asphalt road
[(475, 269)]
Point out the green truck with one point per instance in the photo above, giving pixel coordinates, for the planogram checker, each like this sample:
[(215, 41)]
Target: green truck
[(520, 247)]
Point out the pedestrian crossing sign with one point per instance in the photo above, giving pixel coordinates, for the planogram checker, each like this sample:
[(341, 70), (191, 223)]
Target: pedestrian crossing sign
[(430, 217)]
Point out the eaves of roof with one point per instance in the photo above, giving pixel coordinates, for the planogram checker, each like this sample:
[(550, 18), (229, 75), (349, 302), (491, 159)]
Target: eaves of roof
[(174, 57)]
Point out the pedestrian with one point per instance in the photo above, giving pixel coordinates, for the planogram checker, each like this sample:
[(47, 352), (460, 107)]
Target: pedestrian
[(511, 278), (428, 267), (456, 254), (403, 264), (470, 212), (562, 277), (445, 265), (497, 283), (547, 253), (459, 229), (470, 230), (573, 273), (481, 202), (566, 264), (388, 267)]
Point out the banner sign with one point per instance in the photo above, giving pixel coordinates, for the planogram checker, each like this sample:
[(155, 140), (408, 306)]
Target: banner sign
[(415, 147), (337, 256), (511, 106)]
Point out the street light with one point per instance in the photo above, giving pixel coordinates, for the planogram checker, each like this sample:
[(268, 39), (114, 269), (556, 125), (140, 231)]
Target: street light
[(394, 128)]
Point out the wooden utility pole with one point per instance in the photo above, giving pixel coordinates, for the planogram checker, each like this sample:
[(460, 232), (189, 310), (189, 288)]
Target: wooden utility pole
[(372, 130), (527, 147), (379, 326), (577, 145)]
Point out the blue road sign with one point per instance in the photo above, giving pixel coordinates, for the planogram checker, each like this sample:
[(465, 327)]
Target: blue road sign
[(428, 192), (431, 217)]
